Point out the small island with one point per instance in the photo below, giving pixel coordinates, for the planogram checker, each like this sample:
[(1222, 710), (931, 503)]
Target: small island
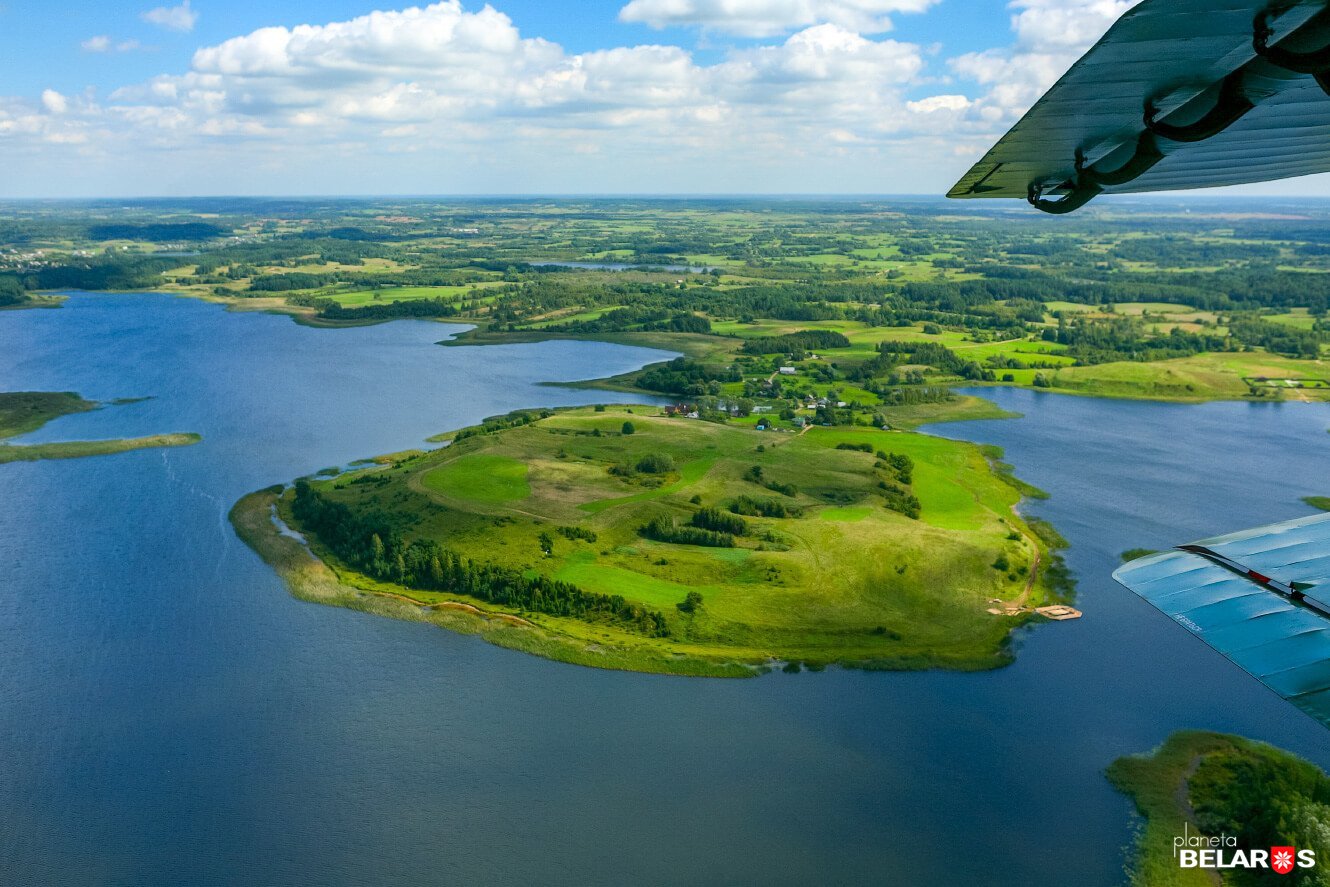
[(1214, 785), (648, 539), (25, 411)]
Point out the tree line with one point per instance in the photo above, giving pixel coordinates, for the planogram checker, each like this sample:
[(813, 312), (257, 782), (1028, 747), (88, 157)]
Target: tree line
[(371, 547)]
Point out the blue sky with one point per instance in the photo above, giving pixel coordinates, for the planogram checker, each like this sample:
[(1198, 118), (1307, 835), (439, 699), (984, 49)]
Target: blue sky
[(180, 97), (43, 39)]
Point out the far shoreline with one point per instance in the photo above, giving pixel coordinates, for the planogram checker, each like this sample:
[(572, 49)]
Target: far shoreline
[(696, 346)]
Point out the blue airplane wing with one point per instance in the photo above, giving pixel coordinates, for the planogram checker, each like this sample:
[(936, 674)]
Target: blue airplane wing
[(1261, 597)]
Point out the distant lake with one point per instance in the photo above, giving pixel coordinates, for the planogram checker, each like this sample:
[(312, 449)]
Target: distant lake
[(169, 714), (623, 266)]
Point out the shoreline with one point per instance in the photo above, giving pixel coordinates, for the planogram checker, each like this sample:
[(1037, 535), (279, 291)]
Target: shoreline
[(310, 579)]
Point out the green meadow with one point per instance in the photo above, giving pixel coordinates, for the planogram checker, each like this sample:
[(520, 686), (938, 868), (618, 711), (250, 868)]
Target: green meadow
[(834, 572), (360, 298), (1226, 375)]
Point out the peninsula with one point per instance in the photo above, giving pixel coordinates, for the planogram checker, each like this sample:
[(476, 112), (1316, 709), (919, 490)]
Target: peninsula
[(652, 539)]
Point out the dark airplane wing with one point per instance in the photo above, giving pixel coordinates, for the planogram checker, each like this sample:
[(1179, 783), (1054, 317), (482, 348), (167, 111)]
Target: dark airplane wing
[(1261, 597), (1178, 94)]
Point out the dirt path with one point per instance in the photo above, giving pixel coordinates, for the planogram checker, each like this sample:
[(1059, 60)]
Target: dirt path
[(1034, 574)]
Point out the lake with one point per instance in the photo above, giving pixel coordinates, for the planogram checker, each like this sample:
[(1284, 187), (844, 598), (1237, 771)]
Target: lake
[(170, 715)]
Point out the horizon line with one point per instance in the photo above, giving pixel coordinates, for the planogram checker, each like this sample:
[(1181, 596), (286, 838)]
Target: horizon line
[(1173, 196)]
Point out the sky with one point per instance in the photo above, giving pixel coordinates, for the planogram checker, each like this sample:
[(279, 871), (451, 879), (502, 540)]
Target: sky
[(370, 97)]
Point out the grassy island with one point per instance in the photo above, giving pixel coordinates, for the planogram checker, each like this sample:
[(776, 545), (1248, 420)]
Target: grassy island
[(25, 411), (1214, 785), (624, 537)]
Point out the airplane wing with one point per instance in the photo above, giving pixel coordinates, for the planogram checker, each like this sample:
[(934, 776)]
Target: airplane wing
[(1178, 94), (1261, 597)]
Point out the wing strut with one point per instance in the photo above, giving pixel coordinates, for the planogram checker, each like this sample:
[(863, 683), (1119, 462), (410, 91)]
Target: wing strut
[(1234, 100), (1229, 108)]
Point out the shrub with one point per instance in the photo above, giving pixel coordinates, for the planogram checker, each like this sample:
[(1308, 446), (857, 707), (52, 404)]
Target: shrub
[(720, 521), (761, 506), (691, 603), (655, 463), (577, 533), (664, 529)]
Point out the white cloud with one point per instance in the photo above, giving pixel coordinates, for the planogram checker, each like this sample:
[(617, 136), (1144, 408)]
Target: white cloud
[(441, 65), (103, 43), (173, 18), (1050, 36), (936, 103), (441, 98), (54, 102), (1067, 25), (767, 18)]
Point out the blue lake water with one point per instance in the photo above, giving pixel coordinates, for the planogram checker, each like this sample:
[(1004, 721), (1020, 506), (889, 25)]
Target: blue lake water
[(170, 715)]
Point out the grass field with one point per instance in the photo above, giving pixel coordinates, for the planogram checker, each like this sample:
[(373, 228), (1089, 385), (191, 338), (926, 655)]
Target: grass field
[(359, 298), (1201, 377), (1298, 318), (864, 340), (848, 580), (480, 479)]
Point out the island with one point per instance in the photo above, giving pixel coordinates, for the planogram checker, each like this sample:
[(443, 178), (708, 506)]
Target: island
[(651, 539), (25, 411), (1201, 786), (1321, 502)]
